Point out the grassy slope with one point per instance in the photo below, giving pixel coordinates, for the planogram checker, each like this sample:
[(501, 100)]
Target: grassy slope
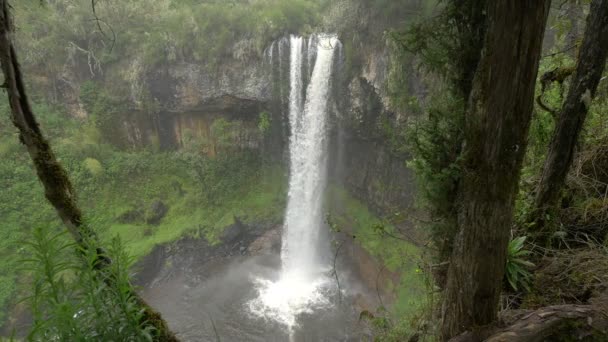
[(257, 202), (397, 255)]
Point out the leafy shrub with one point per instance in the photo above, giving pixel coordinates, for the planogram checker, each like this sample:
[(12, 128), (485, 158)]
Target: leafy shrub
[(71, 301), (93, 166), (570, 275), (435, 140), (264, 122), (156, 31), (517, 269), (225, 133)]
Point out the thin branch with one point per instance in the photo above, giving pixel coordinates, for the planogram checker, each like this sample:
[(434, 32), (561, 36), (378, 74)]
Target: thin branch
[(99, 21), (561, 52), (335, 272), (377, 287)]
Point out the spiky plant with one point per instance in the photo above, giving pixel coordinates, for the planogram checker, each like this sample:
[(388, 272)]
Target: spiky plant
[(71, 302), (517, 269)]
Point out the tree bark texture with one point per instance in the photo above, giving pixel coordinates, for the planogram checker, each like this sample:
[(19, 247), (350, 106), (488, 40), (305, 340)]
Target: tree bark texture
[(496, 128), (57, 186), (587, 75)]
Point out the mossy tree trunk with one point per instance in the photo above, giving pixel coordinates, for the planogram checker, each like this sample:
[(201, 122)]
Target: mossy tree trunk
[(496, 128), (587, 75), (57, 187), (469, 20)]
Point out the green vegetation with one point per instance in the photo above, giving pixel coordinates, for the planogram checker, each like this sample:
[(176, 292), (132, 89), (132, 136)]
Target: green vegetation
[(148, 197), (434, 140), (380, 239), (264, 122), (446, 47), (518, 268), (535, 271), (120, 191), (70, 301), (157, 31)]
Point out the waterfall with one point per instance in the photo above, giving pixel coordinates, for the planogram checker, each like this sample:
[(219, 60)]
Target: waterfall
[(303, 280), (308, 153), (295, 84)]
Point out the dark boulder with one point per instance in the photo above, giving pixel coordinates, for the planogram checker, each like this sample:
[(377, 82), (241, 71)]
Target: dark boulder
[(131, 216), (156, 212), (234, 232)]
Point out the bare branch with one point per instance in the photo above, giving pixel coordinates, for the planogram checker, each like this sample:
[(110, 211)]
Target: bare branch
[(99, 21)]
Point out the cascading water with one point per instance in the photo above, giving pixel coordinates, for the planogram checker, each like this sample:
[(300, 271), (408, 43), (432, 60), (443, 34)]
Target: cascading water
[(303, 281)]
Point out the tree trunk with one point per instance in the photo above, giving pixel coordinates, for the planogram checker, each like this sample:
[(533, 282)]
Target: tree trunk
[(57, 186), (589, 69), (496, 127)]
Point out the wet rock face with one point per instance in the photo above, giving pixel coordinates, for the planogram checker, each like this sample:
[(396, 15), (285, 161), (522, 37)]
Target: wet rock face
[(233, 233), (268, 243), (189, 256), (361, 158), (190, 87), (158, 209)]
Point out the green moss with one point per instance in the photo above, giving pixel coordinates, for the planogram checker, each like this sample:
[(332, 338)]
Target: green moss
[(188, 216), (258, 197)]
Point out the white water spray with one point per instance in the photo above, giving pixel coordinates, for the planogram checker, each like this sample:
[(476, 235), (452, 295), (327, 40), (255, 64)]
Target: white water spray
[(303, 278)]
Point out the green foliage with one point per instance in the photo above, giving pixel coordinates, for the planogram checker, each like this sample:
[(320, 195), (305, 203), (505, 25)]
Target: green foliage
[(517, 269), (102, 109), (225, 133), (264, 122), (447, 46), (400, 73), (70, 300), (93, 166), (448, 43), (435, 141), (89, 95), (7, 288), (381, 240), (22, 202), (582, 188), (156, 31), (203, 194)]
